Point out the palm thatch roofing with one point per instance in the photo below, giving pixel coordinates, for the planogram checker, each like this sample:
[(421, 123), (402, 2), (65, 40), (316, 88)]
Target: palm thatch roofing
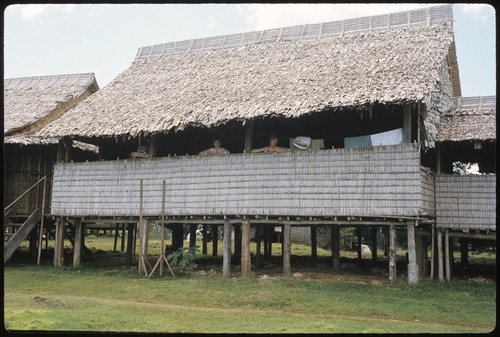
[(472, 118), (30, 103), (393, 58)]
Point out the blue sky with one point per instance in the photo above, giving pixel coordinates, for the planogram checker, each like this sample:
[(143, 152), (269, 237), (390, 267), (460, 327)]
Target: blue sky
[(47, 39)]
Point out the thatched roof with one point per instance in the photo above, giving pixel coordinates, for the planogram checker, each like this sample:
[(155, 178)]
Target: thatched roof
[(30, 103), (472, 118), (393, 58)]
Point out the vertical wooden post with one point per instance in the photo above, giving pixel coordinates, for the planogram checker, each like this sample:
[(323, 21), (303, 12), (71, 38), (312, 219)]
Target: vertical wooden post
[(335, 243), (314, 246), (40, 238), (77, 245), (287, 270), (59, 243), (192, 235), (237, 241), (392, 253), (153, 145), (122, 244), (440, 255), (248, 134), (130, 243), (226, 257), (116, 237), (412, 255), (215, 239), (245, 249), (406, 123), (257, 246), (374, 243), (433, 253), (204, 240), (464, 252), (358, 234), (448, 258)]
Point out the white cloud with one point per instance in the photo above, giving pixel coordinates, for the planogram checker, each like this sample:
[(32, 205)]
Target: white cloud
[(480, 12), (266, 16)]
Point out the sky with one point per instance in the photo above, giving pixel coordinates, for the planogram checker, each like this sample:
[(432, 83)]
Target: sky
[(54, 39)]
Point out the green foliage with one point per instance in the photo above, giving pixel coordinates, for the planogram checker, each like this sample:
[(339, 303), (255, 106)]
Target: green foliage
[(184, 258)]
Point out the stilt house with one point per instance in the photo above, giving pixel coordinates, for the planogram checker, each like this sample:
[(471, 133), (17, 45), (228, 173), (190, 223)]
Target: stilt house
[(30, 103), (370, 90)]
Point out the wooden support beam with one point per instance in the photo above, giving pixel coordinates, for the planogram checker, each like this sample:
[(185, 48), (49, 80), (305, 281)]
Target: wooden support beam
[(358, 248), (77, 244), (433, 253), (245, 250), (287, 270), (237, 241), (130, 243), (59, 243), (406, 123), (392, 253), (226, 257), (440, 254), (257, 246), (249, 126), (215, 239), (335, 244), (314, 245), (448, 256), (192, 235), (412, 254), (204, 240), (374, 243)]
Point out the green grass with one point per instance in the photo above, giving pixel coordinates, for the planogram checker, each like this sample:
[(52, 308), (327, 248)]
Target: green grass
[(115, 298)]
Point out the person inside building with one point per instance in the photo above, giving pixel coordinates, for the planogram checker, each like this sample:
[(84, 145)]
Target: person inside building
[(272, 147), (216, 150)]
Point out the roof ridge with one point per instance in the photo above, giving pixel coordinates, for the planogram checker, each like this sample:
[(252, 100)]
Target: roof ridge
[(49, 80), (415, 18)]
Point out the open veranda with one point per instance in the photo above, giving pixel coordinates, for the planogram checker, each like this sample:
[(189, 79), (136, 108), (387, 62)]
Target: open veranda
[(106, 295)]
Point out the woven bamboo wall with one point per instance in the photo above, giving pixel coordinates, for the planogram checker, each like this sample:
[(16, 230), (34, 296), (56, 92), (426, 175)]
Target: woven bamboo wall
[(466, 202), (377, 181)]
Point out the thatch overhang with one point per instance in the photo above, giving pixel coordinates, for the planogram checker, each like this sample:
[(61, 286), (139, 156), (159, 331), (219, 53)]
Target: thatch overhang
[(471, 119), (30, 103), (390, 59)]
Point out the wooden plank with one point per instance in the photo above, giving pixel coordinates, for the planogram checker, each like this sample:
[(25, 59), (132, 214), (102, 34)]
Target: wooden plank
[(287, 269), (226, 258), (23, 231), (392, 253), (245, 250)]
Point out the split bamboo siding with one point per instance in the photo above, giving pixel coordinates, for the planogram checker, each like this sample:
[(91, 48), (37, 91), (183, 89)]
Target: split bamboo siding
[(377, 181), (466, 202)]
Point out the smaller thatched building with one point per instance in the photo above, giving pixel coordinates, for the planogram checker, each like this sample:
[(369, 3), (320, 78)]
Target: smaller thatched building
[(30, 103)]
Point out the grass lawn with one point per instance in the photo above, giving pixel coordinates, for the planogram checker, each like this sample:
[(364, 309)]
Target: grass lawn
[(115, 298)]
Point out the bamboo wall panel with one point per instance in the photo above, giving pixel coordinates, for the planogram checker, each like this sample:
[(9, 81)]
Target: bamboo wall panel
[(378, 181), (466, 202)]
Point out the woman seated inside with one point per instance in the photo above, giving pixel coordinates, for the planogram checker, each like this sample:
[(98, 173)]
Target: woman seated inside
[(272, 147), (216, 150)]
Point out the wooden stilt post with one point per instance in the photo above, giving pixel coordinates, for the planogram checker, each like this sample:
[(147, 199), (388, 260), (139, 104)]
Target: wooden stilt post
[(59, 243), (77, 245), (215, 239), (392, 253), (226, 258), (335, 240), (257, 246), (237, 241), (374, 243), (447, 259), (245, 249), (204, 242), (40, 238), (287, 270), (412, 254), (116, 237), (440, 255), (358, 248), (433, 253), (130, 243), (314, 246), (122, 245)]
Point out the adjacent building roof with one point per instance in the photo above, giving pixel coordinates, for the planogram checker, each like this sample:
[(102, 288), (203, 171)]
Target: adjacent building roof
[(30, 103), (393, 58), (472, 118)]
